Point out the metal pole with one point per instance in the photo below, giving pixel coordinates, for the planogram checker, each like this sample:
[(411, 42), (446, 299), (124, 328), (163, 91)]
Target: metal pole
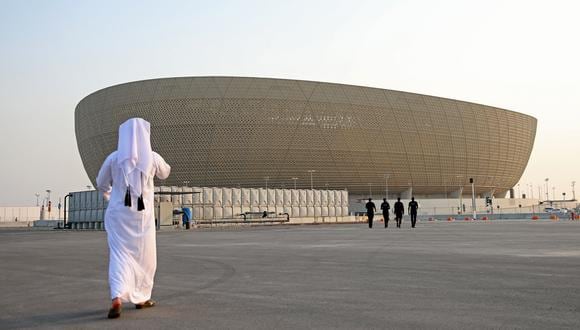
[(573, 192), (547, 189), (267, 195), (48, 202), (473, 198), (65, 210), (311, 184)]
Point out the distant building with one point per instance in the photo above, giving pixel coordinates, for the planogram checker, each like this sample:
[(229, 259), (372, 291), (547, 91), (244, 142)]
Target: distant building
[(256, 132)]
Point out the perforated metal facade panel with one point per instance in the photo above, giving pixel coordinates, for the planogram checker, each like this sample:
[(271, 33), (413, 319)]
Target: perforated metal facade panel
[(236, 131)]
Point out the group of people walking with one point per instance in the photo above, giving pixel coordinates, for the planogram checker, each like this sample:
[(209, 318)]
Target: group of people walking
[(398, 210)]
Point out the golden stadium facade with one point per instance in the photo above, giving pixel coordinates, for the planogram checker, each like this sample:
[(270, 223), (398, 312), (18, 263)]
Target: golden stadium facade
[(256, 132)]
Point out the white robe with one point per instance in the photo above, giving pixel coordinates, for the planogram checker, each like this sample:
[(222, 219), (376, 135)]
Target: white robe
[(130, 233)]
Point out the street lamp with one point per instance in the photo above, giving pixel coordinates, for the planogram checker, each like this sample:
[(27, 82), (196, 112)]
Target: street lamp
[(564, 196), (547, 189), (459, 177), (573, 192), (37, 195), (267, 195), (519, 193), (473, 198), (48, 202), (311, 182), (294, 182), (554, 192)]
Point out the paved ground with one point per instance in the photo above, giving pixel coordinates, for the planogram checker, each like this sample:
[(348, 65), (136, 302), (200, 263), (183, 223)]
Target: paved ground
[(513, 274)]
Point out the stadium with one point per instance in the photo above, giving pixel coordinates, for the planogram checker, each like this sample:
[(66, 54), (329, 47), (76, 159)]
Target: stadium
[(261, 132)]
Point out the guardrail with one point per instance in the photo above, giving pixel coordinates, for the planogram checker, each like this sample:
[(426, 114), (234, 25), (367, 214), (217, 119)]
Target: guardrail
[(251, 217)]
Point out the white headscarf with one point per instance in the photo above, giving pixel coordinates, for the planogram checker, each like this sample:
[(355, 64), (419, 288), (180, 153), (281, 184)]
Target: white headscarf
[(134, 154)]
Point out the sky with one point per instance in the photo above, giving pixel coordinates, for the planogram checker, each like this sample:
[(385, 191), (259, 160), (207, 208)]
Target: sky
[(518, 55)]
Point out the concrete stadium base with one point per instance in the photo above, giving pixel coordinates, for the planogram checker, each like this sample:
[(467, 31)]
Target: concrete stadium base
[(446, 275)]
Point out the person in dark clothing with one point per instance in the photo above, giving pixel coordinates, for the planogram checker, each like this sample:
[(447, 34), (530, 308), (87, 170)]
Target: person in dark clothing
[(385, 207), (413, 206), (370, 211), (399, 210)]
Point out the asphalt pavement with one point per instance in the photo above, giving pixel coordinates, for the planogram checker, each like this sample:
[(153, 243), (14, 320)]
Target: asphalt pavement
[(446, 275)]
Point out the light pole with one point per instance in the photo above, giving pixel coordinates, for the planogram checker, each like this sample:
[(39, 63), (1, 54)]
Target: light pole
[(459, 177), (311, 182), (573, 192), (387, 186), (547, 189), (519, 192), (267, 195), (473, 197), (37, 195), (553, 192), (294, 182), (48, 202), (564, 196)]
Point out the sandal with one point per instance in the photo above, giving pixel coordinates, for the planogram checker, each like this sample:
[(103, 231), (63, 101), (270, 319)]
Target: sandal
[(114, 312), (147, 304)]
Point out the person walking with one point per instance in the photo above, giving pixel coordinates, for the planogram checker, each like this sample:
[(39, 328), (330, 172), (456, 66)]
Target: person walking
[(399, 209), (385, 207), (371, 208), (126, 182), (413, 206)]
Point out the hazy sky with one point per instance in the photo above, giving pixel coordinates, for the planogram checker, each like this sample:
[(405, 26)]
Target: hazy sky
[(518, 55)]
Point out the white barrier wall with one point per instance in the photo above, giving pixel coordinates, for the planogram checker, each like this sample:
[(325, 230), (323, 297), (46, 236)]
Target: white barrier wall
[(222, 203), (295, 197), (187, 199), (227, 197), (22, 214), (165, 198), (280, 197), (237, 196)]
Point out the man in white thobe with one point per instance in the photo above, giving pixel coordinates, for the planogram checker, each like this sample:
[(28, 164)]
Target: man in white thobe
[(126, 181)]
